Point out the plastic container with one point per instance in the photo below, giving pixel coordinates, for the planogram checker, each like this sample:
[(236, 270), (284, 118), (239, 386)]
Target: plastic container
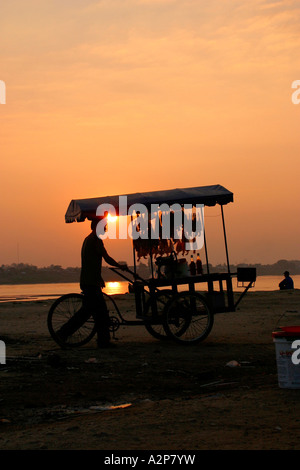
[(288, 371)]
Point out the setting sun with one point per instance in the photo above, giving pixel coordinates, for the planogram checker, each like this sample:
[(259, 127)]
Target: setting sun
[(112, 218)]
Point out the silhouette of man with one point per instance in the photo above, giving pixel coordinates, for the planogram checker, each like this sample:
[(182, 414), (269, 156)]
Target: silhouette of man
[(287, 282), (91, 284)]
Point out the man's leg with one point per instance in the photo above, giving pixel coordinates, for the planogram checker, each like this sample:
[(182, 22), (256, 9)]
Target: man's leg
[(75, 322), (97, 306), (102, 322)]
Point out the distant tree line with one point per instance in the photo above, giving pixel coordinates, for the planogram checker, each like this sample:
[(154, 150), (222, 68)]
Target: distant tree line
[(28, 274), (278, 268)]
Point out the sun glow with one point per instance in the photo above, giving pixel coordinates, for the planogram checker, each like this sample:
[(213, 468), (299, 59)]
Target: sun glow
[(113, 284), (112, 218), (115, 287)]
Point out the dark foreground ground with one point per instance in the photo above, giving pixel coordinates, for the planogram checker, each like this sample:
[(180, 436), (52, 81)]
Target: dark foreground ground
[(174, 397)]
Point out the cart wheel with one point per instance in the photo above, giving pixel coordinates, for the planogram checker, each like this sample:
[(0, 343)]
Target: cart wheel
[(188, 319), (64, 309), (61, 311), (161, 299), (114, 324)]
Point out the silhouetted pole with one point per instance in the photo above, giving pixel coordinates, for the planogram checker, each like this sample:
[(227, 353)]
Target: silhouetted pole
[(225, 239)]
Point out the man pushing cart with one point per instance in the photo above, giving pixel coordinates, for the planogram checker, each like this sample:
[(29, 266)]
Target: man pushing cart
[(170, 306)]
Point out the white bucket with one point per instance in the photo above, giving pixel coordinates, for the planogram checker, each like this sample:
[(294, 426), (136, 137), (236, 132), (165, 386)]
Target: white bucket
[(288, 371)]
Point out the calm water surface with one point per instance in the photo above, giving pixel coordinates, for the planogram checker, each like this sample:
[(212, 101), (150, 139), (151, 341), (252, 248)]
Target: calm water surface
[(23, 292)]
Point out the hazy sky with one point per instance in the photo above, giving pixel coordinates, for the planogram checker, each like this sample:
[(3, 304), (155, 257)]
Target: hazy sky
[(121, 96)]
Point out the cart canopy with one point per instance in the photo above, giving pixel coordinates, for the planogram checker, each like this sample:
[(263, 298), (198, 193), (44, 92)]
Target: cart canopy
[(81, 209)]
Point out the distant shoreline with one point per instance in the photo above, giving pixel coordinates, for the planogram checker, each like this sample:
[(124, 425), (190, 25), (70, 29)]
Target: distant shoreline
[(71, 281), (21, 273), (51, 298)]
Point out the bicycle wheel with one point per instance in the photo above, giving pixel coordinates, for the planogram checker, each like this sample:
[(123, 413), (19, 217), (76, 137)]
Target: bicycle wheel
[(188, 319), (61, 312), (157, 301)]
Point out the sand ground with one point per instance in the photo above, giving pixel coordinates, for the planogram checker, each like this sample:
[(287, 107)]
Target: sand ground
[(180, 398)]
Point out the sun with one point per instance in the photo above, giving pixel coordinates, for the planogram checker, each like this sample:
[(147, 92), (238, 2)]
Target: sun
[(111, 218)]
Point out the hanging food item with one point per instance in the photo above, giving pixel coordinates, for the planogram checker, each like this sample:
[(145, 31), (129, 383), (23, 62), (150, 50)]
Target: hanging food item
[(177, 242)]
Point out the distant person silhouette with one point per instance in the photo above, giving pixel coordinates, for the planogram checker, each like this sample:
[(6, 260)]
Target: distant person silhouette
[(91, 284), (287, 282)]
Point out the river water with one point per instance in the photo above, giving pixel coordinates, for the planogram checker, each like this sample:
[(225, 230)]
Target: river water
[(26, 292)]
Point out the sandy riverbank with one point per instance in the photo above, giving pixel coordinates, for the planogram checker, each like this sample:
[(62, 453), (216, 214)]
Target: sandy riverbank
[(181, 398)]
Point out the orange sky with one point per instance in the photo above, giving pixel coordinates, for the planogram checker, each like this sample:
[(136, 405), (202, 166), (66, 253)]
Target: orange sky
[(120, 96)]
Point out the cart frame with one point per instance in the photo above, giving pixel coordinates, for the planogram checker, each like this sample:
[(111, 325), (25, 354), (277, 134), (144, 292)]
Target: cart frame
[(180, 309)]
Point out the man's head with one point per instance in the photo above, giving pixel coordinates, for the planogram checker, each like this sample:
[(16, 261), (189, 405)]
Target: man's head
[(95, 222), (286, 273)]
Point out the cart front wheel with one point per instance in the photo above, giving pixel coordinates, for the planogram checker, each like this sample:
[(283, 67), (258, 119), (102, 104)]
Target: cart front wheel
[(188, 319)]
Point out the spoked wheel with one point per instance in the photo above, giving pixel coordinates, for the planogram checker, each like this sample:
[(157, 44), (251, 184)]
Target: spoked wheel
[(66, 310), (62, 311), (157, 301), (188, 319)]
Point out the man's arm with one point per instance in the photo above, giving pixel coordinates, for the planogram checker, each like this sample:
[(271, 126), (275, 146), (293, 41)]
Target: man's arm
[(112, 262)]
